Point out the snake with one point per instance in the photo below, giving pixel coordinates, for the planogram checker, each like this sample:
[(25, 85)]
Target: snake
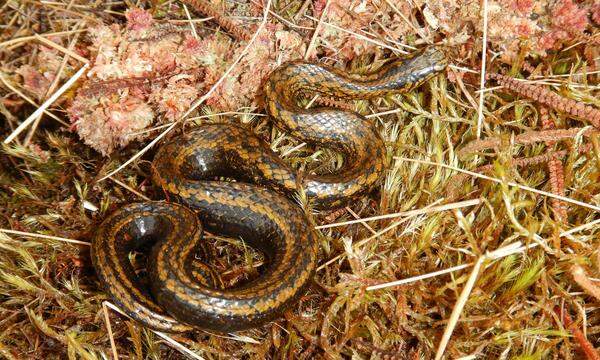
[(182, 290)]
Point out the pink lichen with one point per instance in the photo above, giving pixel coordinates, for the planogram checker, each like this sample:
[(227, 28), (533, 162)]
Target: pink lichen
[(319, 6), (595, 10), (512, 24), (213, 52), (566, 15), (522, 6), (354, 16), (33, 81), (110, 123), (524, 29), (138, 19), (105, 42), (37, 77), (176, 97), (132, 82), (42, 155), (552, 39), (272, 47), (178, 68), (567, 19), (191, 45)]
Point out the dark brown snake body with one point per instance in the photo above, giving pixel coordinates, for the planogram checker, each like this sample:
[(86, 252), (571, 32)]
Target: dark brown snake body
[(255, 208)]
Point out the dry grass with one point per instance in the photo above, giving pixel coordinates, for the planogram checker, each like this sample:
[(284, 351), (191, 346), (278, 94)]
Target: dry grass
[(480, 302)]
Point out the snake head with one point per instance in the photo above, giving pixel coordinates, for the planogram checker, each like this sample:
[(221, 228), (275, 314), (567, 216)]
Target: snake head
[(428, 62), (408, 73), (435, 58)]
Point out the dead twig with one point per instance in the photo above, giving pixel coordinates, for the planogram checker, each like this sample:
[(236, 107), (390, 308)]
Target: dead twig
[(584, 343), (225, 22), (549, 98)]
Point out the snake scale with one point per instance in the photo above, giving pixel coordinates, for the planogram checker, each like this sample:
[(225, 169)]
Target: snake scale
[(256, 207)]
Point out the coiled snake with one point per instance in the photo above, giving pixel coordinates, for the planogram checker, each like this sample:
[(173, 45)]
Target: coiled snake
[(183, 292)]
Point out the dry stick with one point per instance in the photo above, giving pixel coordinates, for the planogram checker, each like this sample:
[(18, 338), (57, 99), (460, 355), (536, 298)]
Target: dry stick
[(584, 282), (54, 84), (586, 38), (425, 210), (74, 13), (291, 150), (556, 170), (228, 24), (176, 345), (302, 9), (282, 19), (192, 26), (483, 63), (313, 41), (196, 118), (62, 49), (511, 249), (499, 253), (419, 277), (591, 224), (388, 39), (510, 183), (584, 343), (29, 100), (459, 179), (235, 337), (463, 88), (34, 37), (355, 215), (42, 236), (46, 104), (461, 68), (415, 29), (529, 137), (584, 320), (198, 102), (458, 307), (359, 36), (107, 87), (111, 337), (549, 98), (411, 214), (388, 112), (130, 189)]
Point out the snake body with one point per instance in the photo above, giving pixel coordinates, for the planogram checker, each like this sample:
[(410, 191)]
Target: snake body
[(256, 208)]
